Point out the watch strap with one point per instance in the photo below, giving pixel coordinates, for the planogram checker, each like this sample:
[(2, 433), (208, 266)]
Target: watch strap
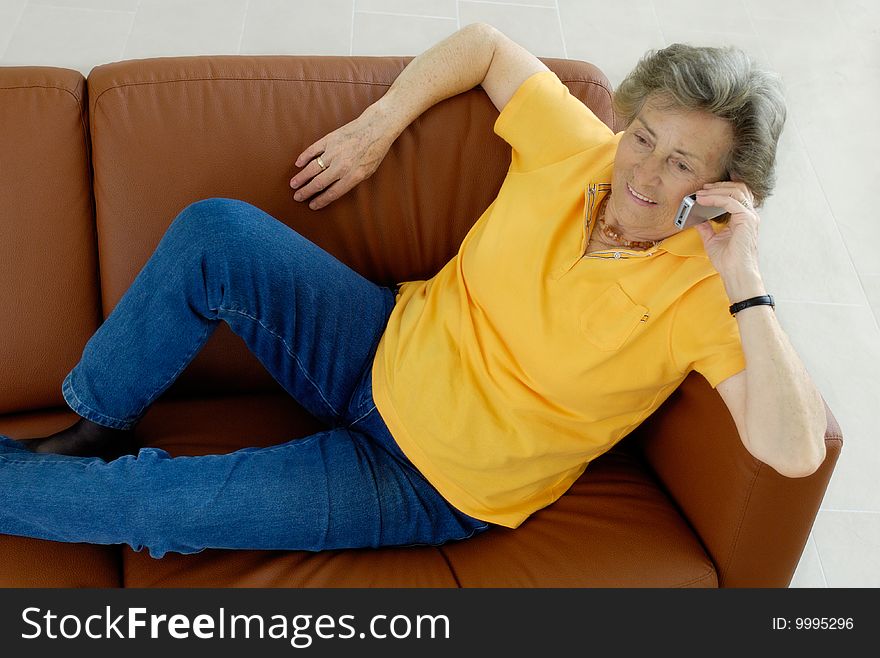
[(753, 301)]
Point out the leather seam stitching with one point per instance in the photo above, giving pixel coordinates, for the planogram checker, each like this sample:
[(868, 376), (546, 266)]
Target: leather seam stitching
[(732, 549)]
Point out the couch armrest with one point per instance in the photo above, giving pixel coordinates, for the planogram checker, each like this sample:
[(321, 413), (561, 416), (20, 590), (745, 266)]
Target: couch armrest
[(753, 522)]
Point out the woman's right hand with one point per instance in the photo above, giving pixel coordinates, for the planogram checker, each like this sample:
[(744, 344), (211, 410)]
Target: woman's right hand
[(350, 154)]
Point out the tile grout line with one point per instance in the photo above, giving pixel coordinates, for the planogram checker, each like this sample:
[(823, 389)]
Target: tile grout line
[(561, 29), (819, 558), (755, 31), (130, 30), (506, 4), (393, 13), (657, 22), (247, 9)]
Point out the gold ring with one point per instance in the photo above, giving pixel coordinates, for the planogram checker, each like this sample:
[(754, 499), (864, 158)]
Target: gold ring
[(321, 163)]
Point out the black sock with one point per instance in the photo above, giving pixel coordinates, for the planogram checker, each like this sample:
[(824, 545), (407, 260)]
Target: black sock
[(87, 439)]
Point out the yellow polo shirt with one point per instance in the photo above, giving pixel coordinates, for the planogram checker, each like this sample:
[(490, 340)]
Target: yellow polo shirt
[(522, 360)]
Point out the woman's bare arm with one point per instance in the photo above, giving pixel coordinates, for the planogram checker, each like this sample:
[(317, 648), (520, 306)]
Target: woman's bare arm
[(475, 55)]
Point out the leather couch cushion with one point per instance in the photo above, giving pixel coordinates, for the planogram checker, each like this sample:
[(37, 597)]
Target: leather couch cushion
[(615, 527), (48, 265)]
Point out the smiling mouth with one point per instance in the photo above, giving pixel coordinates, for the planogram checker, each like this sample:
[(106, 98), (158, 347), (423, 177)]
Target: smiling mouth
[(639, 196)]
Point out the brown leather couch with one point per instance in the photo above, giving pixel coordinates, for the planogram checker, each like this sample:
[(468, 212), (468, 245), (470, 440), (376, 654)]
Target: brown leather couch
[(93, 171)]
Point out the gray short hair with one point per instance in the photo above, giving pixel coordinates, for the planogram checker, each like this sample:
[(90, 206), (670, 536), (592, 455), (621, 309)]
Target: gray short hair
[(725, 82)]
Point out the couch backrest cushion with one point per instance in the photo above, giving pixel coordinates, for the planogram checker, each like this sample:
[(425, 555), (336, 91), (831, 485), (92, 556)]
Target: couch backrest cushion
[(49, 304), (167, 132)]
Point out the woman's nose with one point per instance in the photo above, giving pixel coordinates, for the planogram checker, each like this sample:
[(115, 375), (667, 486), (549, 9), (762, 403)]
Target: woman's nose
[(648, 170)]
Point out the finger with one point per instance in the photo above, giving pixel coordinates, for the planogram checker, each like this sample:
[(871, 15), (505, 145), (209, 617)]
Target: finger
[(738, 186), (739, 214), (305, 176), (313, 151), (332, 193), (725, 201), (705, 231), (318, 184)]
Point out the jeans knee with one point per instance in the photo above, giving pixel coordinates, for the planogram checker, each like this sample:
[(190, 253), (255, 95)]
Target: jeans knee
[(217, 222), (214, 218)]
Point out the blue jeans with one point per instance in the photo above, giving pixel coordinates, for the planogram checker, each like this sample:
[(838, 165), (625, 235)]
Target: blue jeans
[(315, 325)]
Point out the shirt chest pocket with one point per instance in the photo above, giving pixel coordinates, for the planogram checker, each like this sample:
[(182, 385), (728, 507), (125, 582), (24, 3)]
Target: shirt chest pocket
[(611, 318)]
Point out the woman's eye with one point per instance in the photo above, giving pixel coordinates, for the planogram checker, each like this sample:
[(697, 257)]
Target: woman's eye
[(683, 167), (641, 140)]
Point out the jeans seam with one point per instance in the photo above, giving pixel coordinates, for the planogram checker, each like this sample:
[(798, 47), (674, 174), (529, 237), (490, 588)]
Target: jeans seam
[(290, 353), (362, 416), (69, 388)]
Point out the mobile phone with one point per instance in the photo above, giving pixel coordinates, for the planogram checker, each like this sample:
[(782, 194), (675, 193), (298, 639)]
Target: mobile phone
[(690, 213)]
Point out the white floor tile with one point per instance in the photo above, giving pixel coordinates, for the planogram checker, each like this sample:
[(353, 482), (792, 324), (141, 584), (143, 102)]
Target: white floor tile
[(845, 159), (170, 28), (10, 13), (703, 15), (436, 8), (826, 82), (615, 55), (279, 27), (632, 30), (536, 29), (813, 11), (860, 16), (849, 548), (632, 18), (808, 53), (384, 34), (840, 348), (802, 254), (69, 38), (809, 569), (749, 43)]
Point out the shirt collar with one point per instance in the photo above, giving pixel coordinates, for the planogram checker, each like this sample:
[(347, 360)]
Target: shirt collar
[(685, 243)]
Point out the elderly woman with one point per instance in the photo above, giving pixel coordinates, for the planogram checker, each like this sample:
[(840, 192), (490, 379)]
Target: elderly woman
[(572, 309)]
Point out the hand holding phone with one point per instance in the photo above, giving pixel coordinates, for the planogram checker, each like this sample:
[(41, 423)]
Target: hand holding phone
[(690, 213)]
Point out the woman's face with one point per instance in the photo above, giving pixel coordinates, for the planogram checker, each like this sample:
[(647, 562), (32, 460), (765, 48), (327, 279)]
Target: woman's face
[(662, 157)]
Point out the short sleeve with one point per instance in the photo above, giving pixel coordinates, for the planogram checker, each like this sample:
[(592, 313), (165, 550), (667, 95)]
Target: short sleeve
[(545, 124), (705, 335)]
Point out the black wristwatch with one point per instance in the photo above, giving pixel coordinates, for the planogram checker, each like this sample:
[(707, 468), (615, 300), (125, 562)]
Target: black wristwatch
[(754, 301)]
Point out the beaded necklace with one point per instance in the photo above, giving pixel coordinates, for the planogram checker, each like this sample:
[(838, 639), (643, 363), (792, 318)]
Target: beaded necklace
[(615, 237)]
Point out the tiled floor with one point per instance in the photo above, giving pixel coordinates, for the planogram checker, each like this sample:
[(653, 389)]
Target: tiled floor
[(819, 236)]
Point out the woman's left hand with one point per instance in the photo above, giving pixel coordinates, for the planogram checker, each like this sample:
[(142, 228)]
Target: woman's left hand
[(733, 250)]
